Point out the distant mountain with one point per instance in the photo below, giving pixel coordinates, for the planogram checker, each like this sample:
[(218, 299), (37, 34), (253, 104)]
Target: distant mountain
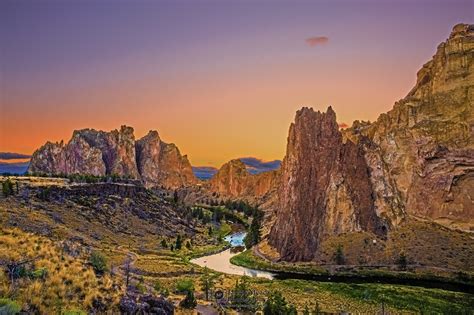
[(13, 156), (256, 166), (252, 164), (204, 172), (14, 168)]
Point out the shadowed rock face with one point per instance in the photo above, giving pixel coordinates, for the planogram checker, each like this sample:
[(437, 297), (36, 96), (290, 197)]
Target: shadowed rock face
[(102, 153), (325, 188)]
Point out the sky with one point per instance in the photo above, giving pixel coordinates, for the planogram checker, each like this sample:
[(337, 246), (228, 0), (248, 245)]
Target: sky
[(221, 79)]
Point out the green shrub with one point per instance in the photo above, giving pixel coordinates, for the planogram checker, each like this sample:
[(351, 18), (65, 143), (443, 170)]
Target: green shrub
[(184, 285), (98, 262), (7, 188), (40, 273), (74, 312), (276, 304), (339, 257), (9, 307), (157, 286), (189, 301)]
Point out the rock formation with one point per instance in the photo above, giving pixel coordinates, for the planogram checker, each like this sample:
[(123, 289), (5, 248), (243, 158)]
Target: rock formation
[(233, 180), (160, 163), (421, 153), (325, 187), (415, 160), (117, 147), (102, 153)]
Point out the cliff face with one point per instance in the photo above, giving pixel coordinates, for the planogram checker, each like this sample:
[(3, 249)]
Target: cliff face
[(415, 160), (234, 181), (161, 163), (115, 153), (325, 187), (117, 148), (424, 146)]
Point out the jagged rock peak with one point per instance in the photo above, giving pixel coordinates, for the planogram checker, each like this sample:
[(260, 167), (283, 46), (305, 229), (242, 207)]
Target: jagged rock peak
[(325, 188), (116, 153)]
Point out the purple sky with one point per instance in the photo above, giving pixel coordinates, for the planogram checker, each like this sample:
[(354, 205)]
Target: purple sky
[(198, 71)]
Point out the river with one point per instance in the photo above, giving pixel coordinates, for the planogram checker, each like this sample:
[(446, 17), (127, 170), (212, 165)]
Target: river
[(221, 261)]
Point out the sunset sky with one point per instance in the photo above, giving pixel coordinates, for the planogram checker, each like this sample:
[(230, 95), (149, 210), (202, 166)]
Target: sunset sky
[(221, 79)]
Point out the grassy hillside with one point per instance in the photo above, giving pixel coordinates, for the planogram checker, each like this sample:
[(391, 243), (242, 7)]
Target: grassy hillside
[(51, 280)]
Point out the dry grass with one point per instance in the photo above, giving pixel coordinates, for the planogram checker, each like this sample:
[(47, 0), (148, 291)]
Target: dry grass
[(69, 282)]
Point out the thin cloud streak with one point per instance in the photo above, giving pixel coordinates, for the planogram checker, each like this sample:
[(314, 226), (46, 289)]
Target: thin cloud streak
[(316, 41)]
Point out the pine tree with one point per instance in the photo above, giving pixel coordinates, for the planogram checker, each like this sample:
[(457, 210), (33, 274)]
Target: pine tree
[(242, 297), (178, 244), (189, 301), (339, 256), (164, 244), (207, 282), (402, 261), (277, 305)]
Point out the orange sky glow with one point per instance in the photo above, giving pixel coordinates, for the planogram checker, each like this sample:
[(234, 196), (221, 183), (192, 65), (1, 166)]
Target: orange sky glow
[(216, 93)]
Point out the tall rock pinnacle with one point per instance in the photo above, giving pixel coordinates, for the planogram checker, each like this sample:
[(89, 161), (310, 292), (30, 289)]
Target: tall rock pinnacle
[(325, 187)]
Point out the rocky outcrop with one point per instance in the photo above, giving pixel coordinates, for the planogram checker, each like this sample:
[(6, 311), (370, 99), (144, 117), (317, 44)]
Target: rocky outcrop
[(136, 303), (415, 160), (421, 153), (325, 187), (233, 180), (115, 153), (117, 147), (161, 163), (77, 157)]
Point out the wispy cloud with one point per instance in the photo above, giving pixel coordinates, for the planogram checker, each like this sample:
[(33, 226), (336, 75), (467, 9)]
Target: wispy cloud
[(316, 41), (204, 172), (343, 125), (256, 166), (13, 156)]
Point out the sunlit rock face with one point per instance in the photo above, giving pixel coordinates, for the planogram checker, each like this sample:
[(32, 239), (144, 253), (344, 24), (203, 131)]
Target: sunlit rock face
[(421, 153), (325, 187), (233, 180), (160, 163), (101, 153), (117, 147), (415, 160)]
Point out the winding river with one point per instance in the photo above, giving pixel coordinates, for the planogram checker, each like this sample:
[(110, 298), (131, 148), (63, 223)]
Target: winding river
[(221, 261)]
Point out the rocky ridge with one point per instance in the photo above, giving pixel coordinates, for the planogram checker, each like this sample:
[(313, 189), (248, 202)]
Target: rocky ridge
[(117, 153)]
